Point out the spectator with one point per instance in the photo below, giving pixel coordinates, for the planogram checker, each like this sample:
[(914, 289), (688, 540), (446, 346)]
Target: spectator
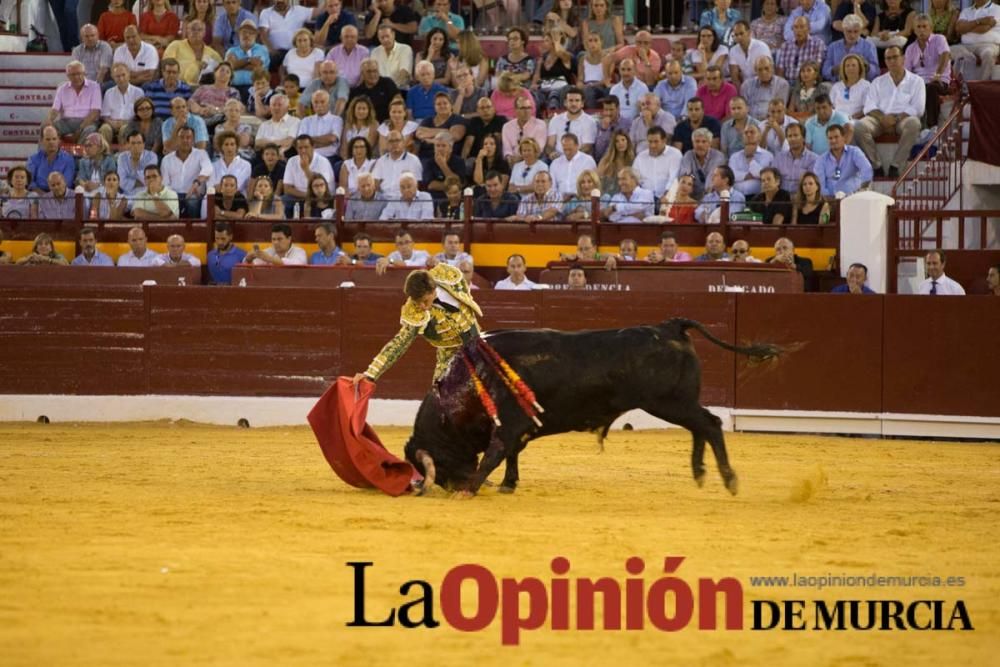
[(89, 254), (497, 204), (650, 116), (163, 91), (567, 167), (281, 130), (843, 168), (516, 268), (590, 72), (676, 90), (895, 105), (348, 55), (233, 123), (187, 171), (610, 124), (722, 190), (709, 52), (247, 57), (442, 120), (577, 278), (818, 124), (118, 107), (363, 248), (397, 122), (43, 251), (850, 92), (542, 204), (980, 40), (488, 159), (19, 202), (784, 255), (857, 276), (809, 206), (677, 205), (554, 72), (401, 18), (95, 163), (762, 89), (225, 30), (405, 254), (647, 60), (367, 204), (277, 25), (893, 26), (271, 167), (586, 251), (851, 43), (94, 53), (138, 255), (49, 158), (733, 128), (156, 201), (621, 154), (486, 123), (140, 58), (328, 253), (659, 165), (323, 126), (524, 125), (629, 90), (745, 54), (265, 204), (200, 10), (772, 129), (452, 207), (944, 16), (929, 58), (803, 48), (572, 121), (181, 118), (175, 255), (715, 249), (300, 170), (158, 25), (209, 101), (195, 57), (749, 163), (393, 164), (700, 162), (282, 251), (229, 202), (304, 60), (937, 283), (379, 90), (360, 160), (147, 125), (395, 59), (807, 89), (452, 253), (796, 160), (772, 203), (627, 251), (517, 62), (522, 177), (229, 162), (864, 10), (132, 163), (330, 24), (319, 199), (507, 93), (715, 94), (769, 27), (112, 23), (259, 96), (58, 203), (993, 280), (442, 165), (420, 98), (722, 20), (632, 203), (224, 256), (76, 107), (696, 120), (109, 203), (412, 204), (467, 93), (741, 253), (578, 206), (818, 14)]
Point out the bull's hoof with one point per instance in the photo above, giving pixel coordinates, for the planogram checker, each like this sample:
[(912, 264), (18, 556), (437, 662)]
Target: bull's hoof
[(733, 484), (506, 489), (465, 494), (700, 480)]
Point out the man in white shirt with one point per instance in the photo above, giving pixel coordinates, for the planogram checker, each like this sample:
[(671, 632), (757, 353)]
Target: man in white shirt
[(141, 58), (277, 26), (404, 254), (748, 163), (118, 107), (175, 255), (282, 252), (395, 59), (515, 280), (937, 283), (324, 127), (629, 90), (230, 163), (451, 251), (659, 164), (574, 121), (743, 54), (300, 170), (567, 167), (139, 254), (980, 32), (632, 203), (281, 129), (411, 205), (187, 171), (650, 116), (894, 104), (390, 167)]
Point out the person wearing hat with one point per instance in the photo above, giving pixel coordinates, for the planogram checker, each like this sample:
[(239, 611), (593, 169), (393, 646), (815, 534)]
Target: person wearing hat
[(247, 57), (225, 31)]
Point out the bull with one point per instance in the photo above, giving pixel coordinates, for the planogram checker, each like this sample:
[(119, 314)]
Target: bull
[(584, 380)]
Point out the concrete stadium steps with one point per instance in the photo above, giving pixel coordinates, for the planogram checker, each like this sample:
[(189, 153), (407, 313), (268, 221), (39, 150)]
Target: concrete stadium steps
[(18, 132), (34, 61), (42, 78), (27, 95), (24, 113)]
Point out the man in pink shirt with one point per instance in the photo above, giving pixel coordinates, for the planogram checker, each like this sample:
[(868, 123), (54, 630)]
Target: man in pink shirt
[(929, 57), (647, 60), (715, 94), (523, 126), (348, 55), (77, 104)]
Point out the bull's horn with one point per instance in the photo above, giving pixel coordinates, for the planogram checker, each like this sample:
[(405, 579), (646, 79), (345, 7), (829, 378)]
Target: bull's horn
[(428, 463)]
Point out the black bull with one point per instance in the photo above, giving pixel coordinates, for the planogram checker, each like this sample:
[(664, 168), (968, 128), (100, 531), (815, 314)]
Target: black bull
[(584, 381)]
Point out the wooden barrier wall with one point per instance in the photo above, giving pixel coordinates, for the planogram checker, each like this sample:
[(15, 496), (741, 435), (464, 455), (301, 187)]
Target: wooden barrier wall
[(901, 354)]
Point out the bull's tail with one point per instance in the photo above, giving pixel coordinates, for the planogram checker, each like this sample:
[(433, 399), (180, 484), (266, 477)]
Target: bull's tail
[(756, 352)]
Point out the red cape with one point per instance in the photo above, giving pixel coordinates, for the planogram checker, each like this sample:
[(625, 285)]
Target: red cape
[(351, 446)]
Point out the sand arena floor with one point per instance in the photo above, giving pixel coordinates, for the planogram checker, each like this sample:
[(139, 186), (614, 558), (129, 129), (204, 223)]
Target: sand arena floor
[(180, 544)]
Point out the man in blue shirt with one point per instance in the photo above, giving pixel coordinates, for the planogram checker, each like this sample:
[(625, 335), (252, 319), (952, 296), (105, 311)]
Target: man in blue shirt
[(227, 23), (818, 13), (162, 91), (851, 43), (722, 180), (224, 256), (817, 124), (48, 159), (328, 253), (675, 91), (440, 17), (420, 98), (857, 275), (843, 168), (89, 254), (363, 251)]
